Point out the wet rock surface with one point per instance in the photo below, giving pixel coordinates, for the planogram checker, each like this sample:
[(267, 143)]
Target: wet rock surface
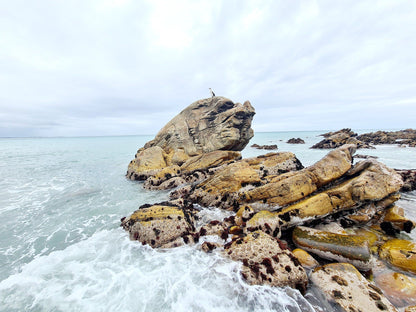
[(266, 261), (344, 287)]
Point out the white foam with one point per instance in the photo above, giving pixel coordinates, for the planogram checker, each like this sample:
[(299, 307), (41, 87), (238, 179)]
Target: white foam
[(108, 272)]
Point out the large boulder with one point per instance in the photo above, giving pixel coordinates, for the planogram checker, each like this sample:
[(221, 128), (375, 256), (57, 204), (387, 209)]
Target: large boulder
[(206, 125)]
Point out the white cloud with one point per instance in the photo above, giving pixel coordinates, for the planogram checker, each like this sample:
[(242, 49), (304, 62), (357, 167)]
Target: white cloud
[(303, 65)]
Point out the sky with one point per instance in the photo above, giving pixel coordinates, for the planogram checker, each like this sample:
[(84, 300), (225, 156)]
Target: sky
[(126, 67)]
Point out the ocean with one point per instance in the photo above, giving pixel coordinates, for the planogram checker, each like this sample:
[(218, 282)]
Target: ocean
[(62, 249)]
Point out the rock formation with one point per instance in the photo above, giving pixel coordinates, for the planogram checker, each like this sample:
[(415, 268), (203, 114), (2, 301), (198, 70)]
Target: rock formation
[(265, 147), (339, 138), (401, 137), (295, 141), (206, 125), (335, 209)]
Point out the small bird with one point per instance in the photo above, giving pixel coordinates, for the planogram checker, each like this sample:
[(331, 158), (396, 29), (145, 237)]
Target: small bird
[(212, 92)]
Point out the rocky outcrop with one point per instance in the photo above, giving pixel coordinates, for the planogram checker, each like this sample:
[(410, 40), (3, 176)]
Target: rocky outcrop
[(343, 286), (295, 141), (266, 261), (159, 225), (205, 126), (409, 179), (265, 147), (340, 138), (224, 188), (399, 288), (401, 137), (278, 205)]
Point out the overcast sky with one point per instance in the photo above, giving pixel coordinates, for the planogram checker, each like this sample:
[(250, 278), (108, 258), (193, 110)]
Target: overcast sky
[(116, 67)]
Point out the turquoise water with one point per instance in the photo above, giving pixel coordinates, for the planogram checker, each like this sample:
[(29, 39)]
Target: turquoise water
[(61, 247)]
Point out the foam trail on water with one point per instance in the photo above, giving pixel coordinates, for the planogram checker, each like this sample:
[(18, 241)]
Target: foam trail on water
[(108, 272)]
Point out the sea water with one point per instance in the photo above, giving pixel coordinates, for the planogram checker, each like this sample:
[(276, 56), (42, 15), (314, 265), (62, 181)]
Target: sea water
[(62, 249)]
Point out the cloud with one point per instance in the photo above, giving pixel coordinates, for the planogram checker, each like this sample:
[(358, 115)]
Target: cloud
[(127, 67)]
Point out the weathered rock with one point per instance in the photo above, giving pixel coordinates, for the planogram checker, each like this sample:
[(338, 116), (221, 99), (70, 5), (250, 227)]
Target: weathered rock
[(209, 160), (394, 221), (159, 224), (339, 138), (290, 187), (400, 289), (305, 259), (410, 309), (147, 163), (205, 126), (343, 286), (407, 137), (295, 141), (265, 147), (266, 262), (409, 179), (223, 188), (399, 253), (339, 247)]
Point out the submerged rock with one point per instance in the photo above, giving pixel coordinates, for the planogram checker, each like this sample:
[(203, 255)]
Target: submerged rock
[(400, 289), (344, 287), (266, 261), (399, 253)]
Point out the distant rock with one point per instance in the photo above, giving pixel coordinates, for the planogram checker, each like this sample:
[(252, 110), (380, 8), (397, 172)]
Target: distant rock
[(365, 156), (205, 126), (295, 141), (265, 147), (409, 178), (339, 138), (401, 137)]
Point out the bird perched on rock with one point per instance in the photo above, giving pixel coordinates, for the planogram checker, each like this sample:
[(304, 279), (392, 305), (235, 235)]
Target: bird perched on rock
[(212, 92)]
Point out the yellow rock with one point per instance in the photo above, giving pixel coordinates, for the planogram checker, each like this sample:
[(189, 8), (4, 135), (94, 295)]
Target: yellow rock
[(394, 219), (410, 309), (399, 253), (305, 259), (340, 247), (147, 162), (290, 187), (158, 225), (208, 160), (400, 289)]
